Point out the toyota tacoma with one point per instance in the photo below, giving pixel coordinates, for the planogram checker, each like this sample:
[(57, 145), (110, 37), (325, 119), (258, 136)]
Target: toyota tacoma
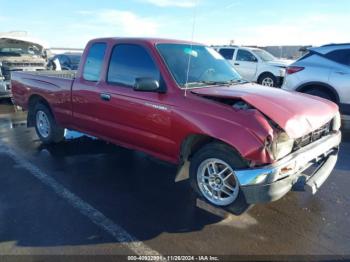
[(236, 143)]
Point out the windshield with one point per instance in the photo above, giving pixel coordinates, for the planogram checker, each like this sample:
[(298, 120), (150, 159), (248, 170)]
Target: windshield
[(265, 56), (207, 67)]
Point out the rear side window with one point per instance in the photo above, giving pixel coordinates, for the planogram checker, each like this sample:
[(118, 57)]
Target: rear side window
[(94, 61), (129, 62), (340, 56), (227, 53), (244, 55)]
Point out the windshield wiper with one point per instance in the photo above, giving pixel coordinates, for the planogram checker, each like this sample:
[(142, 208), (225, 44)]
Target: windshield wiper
[(202, 83), (215, 83), (229, 82)]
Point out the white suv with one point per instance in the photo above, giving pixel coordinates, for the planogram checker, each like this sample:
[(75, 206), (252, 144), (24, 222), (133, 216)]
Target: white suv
[(255, 65), (323, 72)]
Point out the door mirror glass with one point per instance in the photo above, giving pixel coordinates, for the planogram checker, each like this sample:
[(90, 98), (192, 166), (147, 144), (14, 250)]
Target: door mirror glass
[(146, 85)]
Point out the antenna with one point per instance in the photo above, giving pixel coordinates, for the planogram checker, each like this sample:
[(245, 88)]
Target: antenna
[(192, 36)]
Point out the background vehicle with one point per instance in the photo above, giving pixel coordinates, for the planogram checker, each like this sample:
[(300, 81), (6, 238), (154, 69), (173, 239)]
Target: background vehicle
[(67, 61), (18, 54), (255, 65), (323, 72), (239, 142)]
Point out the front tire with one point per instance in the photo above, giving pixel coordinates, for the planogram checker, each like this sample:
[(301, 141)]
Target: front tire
[(212, 177), (45, 125), (267, 79)]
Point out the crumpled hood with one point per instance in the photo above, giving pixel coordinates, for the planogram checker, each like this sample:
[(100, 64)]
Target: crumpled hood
[(281, 63), (298, 114)]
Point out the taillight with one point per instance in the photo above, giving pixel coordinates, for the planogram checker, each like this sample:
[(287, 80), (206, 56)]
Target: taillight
[(294, 69)]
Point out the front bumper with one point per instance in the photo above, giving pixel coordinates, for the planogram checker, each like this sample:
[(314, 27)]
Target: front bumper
[(279, 81), (5, 89), (272, 182)]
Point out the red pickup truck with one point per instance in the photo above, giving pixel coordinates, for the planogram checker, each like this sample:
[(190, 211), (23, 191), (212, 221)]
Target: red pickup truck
[(238, 143)]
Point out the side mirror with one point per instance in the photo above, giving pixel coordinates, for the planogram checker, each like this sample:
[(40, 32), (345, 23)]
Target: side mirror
[(146, 85)]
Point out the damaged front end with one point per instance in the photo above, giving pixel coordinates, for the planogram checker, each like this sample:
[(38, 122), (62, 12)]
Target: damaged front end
[(280, 145), (18, 55), (285, 159), (276, 143)]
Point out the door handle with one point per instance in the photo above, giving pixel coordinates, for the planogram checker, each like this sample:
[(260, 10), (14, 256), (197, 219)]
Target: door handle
[(105, 97), (341, 73), (236, 63)]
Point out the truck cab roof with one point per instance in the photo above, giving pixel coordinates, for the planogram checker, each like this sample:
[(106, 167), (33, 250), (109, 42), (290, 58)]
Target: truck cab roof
[(152, 41)]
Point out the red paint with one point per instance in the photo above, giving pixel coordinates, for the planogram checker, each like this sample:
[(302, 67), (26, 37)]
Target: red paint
[(135, 120), (298, 114)]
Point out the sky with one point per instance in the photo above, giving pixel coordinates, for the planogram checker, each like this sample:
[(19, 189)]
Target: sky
[(71, 23)]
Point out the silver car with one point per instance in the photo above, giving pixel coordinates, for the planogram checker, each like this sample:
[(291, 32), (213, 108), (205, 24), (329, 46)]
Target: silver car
[(323, 72)]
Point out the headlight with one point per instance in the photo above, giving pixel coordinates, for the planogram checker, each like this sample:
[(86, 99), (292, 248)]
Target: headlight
[(336, 122), (282, 72), (1, 71), (281, 146)]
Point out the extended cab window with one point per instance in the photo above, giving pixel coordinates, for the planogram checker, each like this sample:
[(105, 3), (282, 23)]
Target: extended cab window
[(340, 56), (227, 53), (94, 62), (245, 56), (129, 62)]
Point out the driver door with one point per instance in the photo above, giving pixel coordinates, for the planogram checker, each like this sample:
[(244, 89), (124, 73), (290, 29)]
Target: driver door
[(135, 119)]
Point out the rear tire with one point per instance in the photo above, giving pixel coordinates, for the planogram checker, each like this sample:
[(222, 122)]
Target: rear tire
[(45, 125), (212, 177)]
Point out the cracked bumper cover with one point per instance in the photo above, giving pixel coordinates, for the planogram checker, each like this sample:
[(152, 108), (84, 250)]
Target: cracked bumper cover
[(270, 183)]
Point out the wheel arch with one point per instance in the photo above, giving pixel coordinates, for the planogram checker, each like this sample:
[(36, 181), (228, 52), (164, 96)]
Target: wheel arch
[(189, 146), (194, 142), (321, 86)]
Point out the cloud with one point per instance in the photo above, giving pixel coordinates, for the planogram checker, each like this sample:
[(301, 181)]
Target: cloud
[(84, 12), (172, 3), (129, 23), (91, 24), (312, 29), (121, 22)]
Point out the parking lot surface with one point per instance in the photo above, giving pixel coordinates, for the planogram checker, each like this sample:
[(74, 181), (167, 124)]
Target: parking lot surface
[(85, 196)]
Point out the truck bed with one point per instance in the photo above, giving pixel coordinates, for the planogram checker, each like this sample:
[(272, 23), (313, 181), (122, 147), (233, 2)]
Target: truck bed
[(56, 74), (53, 86)]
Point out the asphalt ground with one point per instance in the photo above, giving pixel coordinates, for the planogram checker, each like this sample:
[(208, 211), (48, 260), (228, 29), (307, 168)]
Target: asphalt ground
[(87, 197)]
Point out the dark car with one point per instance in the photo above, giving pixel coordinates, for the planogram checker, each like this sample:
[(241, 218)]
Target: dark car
[(68, 61)]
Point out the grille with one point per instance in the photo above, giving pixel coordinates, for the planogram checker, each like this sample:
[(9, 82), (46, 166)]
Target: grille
[(312, 137), (14, 64), (6, 72)]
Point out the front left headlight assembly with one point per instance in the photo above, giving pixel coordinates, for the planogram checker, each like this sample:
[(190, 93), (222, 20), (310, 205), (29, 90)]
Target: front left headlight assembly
[(1, 77), (280, 146)]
